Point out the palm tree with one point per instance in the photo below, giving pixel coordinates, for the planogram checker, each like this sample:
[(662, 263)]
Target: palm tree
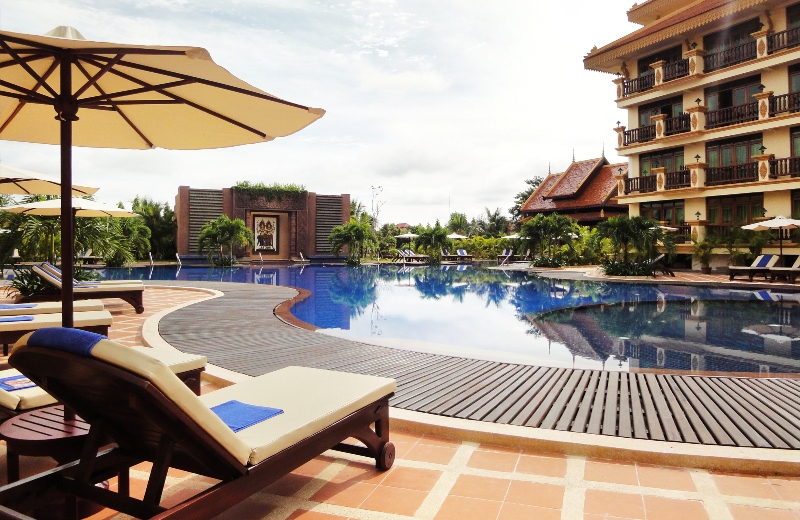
[(459, 223), (354, 235), (216, 234), (160, 219), (521, 197), (493, 224), (357, 209)]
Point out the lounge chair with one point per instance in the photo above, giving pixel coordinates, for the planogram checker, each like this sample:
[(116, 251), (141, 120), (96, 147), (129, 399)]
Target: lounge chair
[(132, 293), (657, 264), (55, 271), (227, 435), (463, 255), (761, 265), (14, 327), (414, 257), (790, 273), (16, 309), (86, 257), (447, 257), (187, 367), (506, 256)]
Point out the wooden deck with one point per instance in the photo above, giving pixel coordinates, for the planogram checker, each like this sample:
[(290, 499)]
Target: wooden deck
[(239, 332)]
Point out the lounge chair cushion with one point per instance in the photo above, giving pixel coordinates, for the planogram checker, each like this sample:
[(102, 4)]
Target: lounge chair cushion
[(55, 271), (25, 398), (327, 397), (16, 309), (40, 321), (56, 281), (177, 361)]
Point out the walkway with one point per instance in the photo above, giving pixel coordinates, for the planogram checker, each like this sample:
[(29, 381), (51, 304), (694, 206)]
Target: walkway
[(239, 332)]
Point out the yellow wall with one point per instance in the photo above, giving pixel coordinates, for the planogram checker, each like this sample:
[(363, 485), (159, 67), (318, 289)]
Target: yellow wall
[(692, 206), (778, 203), (778, 142), (633, 210)]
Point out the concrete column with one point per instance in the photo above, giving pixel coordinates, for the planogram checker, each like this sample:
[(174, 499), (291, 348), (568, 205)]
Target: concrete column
[(182, 218), (620, 130), (658, 67), (661, 178), (697, 119), (697, 174), (311, 207), (763, 104), (621, 177), (763, 165), (227, 203), (620, 90), (695, 57), (661, 125), (761, 42)]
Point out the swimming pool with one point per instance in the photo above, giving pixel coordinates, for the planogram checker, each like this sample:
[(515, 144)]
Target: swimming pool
[(517, 317)]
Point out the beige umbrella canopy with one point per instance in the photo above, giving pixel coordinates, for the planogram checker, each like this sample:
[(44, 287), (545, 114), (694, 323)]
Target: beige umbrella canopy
[(16, 181), (80, 208), (63, 89)]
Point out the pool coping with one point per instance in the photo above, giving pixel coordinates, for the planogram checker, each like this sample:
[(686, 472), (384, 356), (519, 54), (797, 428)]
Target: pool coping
[(717, 458)]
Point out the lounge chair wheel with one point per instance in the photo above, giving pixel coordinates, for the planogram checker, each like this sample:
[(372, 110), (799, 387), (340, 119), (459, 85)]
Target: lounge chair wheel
[(386, 458)]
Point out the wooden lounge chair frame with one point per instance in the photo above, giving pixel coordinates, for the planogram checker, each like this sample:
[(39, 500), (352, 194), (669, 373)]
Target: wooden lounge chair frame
[(465, 256), (791, 273), (133, 296), (447, 257), (751, 271), (657, 264), (147, 426)]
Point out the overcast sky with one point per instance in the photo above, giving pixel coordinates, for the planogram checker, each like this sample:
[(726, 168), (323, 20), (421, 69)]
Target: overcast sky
[(449, 105)]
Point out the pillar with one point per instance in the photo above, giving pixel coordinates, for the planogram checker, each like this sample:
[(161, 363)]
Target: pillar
[(763, 165), (697, 115), (695, 57), (661, 125), (661, 178), (763, 104)]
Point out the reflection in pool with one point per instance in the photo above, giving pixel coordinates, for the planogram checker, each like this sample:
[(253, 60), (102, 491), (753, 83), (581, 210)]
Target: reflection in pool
[(521, 317)]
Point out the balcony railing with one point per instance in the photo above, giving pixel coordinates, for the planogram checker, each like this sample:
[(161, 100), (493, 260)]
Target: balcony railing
[(678, 179), (683, 234), (732, 115), (732, 56), (677, 125), (782, 167), (784, 103), (783, 40), (640, 135), (677, 69), (640, 184), (644, 82), (747, 172)]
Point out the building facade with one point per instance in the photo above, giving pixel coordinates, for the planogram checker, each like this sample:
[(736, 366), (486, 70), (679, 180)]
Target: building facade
[(584, 192), (712, 93), (285, 228)]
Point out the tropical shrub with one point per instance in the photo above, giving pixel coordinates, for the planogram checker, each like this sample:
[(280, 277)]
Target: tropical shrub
[(432, 240), (356, 235), (544, 261), (613, 267), (273, 191), (222, 233), (635, 235), (160, 219)]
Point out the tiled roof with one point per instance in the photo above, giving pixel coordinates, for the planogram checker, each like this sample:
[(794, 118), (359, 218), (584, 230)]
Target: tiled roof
[(572, 179), (599, 188), (537, 202)]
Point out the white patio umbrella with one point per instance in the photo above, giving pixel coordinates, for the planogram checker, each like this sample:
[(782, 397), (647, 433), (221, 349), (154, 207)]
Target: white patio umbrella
[(456, 236), (512, 237), (780, 223), (16, 181), (668, 229), (128, 96), (407, 235), (80, 208)]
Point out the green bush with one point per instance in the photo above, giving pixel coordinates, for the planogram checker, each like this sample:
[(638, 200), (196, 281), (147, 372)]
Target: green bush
[(273, 191), (27, 283), (543, 261), (622, 268)]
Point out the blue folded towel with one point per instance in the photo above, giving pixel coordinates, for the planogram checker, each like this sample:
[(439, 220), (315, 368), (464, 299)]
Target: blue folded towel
[(76, 341), (15, 318), (12, 383), (10, 306), (238, 415)]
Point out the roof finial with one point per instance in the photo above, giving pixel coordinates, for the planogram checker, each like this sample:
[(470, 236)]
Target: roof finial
[(548, 168), (604, 148), (573, 155)]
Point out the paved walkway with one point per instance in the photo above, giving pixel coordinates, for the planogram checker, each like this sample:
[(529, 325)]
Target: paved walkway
[(239, 332)]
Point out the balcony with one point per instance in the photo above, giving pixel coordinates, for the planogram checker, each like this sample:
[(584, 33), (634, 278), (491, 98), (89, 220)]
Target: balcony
[(789, 166), (732, 115), (747, 172), (640, 135), (640, 184), (784, 103), (640, 84), (677, 125), (678, 179), (783, 40), (732, 56), (677, 69)]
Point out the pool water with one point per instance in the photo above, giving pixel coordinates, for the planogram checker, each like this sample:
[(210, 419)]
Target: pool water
[(517, 317)]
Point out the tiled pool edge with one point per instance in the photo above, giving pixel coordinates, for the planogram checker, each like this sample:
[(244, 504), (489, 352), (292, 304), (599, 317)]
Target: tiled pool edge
[(717, 458)]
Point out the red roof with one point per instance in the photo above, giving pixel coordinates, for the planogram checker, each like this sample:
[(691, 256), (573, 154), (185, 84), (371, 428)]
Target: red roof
[(586, 185)]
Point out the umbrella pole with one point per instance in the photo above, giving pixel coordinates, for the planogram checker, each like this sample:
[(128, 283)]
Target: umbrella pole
[(66, 114)]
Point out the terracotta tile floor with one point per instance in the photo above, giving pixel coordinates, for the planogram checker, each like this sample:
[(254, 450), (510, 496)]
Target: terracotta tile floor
[(436, 479)]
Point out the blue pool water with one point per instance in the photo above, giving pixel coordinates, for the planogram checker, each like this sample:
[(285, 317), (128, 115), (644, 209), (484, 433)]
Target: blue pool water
[(499, 315)]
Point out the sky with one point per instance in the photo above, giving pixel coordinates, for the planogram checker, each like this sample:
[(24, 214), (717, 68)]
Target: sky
[(446, 105)]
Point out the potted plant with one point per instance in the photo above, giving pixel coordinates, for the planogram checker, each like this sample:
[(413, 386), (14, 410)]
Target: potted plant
[(702, 250)]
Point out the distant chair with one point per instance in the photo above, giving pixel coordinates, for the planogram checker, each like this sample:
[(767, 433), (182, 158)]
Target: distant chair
[(506, 256), (657, 264), (762, 265), (463, 255), (178, 258), (447, 257), (150, 254), (414, 257)]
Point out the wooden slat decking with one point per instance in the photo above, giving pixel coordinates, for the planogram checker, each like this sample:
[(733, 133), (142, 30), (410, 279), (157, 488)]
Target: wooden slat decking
[(239, 332)]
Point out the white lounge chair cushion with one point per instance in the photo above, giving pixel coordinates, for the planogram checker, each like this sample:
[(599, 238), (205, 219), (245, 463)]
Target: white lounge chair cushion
[(57, 273), (24, 399), (40, 321), (56, 281), (311, 399), (177, 361), (53, 307)]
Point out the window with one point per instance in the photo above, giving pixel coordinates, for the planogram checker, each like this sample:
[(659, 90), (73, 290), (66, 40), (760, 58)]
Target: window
[(672, 107), (794, 79), (795, 133), (735, 210), (735, 93), (796, 204), (731, 36), (670, 56), (793, 16), (672, 160), (733, 151), (671, 212)]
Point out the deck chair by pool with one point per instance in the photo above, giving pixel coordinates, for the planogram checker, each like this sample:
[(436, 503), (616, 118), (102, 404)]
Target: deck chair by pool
[(55, 271), (132, 294), (16, 309), (24, 398), (761, 265), (247, 435), (657, 264), (506, 256), (14, 327), (463, 255), (790, 273), (447, 257), (414, 257)]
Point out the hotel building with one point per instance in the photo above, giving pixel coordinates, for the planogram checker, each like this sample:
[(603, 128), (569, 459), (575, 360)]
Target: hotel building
[(712, 92)]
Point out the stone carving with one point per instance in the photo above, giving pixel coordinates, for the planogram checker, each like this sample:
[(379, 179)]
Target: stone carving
[(692, 66), (658, 77), (619, 139), (619, 91), (694, 233), (660, 181), (763, 170), (761, 47), (763, 108), (659, 129), (694, 122), (694, 177)]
